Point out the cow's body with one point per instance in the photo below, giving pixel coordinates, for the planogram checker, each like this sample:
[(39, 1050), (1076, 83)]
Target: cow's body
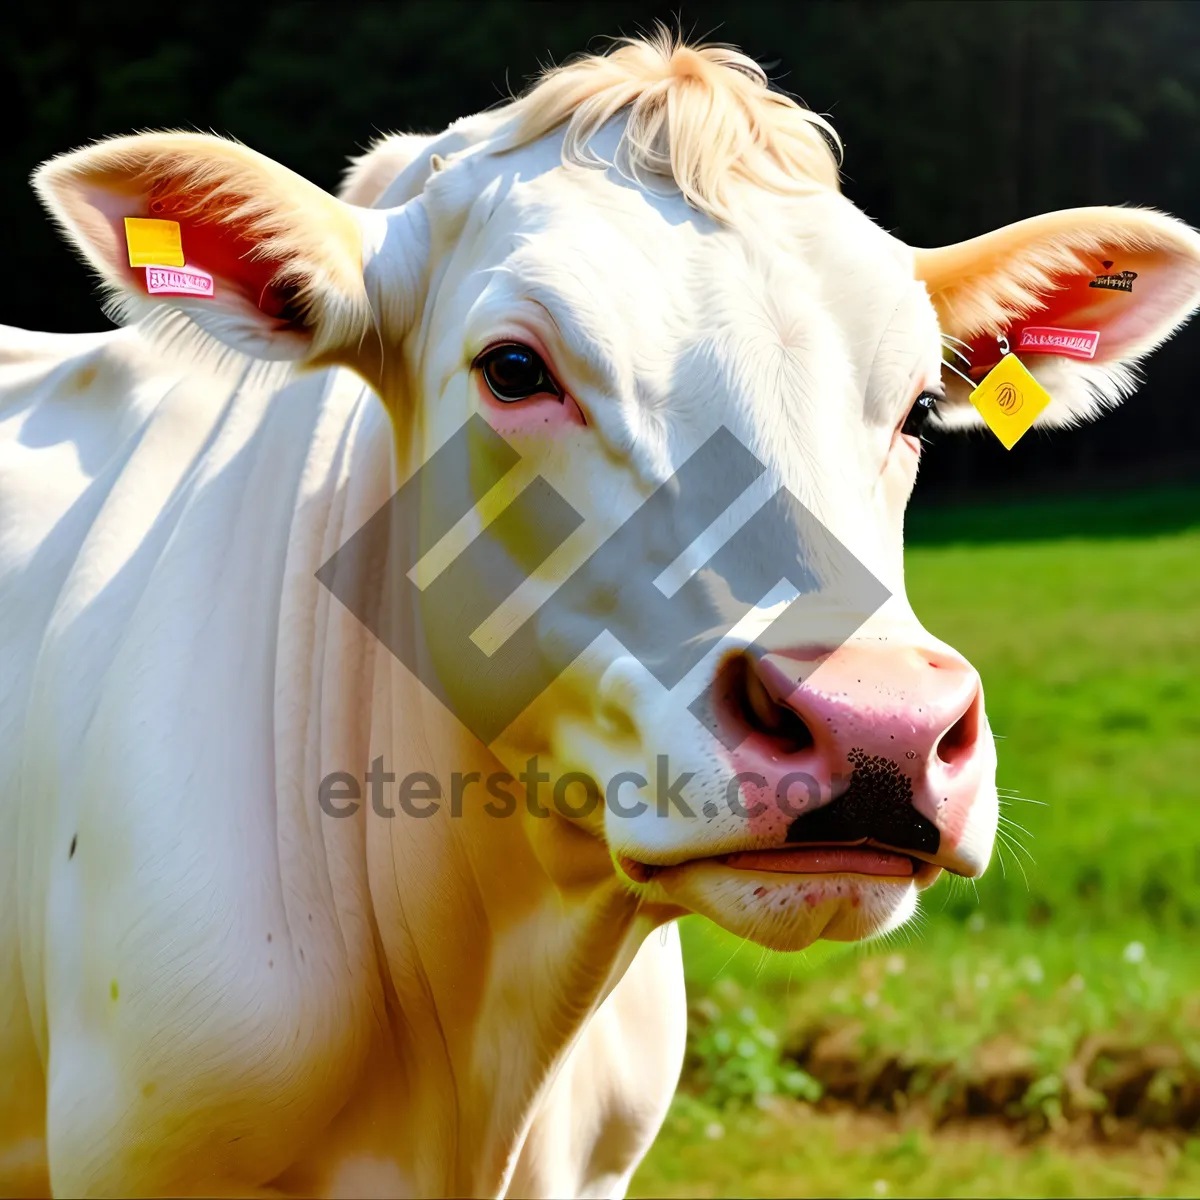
[(190, 961), (215, 982)]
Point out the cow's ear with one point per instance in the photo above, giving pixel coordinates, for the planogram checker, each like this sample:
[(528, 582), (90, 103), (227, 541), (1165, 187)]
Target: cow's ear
[(1080, 295), (371, 174), (396, 167), (254, 254)]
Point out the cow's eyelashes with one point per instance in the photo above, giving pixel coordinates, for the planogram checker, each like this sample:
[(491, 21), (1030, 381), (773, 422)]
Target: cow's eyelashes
[(515, 372), (923, 408)]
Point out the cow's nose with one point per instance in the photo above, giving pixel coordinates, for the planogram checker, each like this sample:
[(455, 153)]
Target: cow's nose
[(902, 703), (879, 726)]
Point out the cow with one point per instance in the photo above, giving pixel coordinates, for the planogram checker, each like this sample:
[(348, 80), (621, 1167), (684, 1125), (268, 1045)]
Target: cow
[(260, 931)]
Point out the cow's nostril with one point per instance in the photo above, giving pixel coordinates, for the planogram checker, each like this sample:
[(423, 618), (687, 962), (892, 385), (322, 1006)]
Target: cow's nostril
[(959, 740), (756, 709)]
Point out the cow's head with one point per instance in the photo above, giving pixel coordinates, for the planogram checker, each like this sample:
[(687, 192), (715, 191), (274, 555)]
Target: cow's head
[(645, 259)]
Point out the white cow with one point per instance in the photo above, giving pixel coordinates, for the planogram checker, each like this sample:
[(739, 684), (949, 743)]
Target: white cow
[(213, 985)]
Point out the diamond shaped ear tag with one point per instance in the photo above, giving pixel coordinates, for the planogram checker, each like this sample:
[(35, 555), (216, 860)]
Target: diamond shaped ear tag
[(1009, 398)]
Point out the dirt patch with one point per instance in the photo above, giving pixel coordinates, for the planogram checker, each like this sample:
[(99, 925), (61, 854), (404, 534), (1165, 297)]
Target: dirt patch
[(858, 1127), (1109, 1089)]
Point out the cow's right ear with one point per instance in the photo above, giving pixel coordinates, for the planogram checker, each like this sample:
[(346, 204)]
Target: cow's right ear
[(264, 261)]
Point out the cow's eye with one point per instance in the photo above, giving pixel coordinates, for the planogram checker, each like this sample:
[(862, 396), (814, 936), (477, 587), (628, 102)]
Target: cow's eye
[(514, 372), (923, 408)]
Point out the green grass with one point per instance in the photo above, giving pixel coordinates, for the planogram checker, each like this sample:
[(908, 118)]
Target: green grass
[(1061, 995), (799, 1152), (1090, 655)]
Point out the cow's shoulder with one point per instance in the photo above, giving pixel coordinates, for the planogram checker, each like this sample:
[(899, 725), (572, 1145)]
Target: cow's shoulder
[(154, 512), (38, 366), (24, 348)]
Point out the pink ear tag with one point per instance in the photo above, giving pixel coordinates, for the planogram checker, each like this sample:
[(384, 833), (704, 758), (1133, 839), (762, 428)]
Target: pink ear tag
[(178, 281), (1071, 343)]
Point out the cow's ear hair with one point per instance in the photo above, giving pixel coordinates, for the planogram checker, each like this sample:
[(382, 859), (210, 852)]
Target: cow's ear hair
[(396, 167), (371, 174), (1081, 296), (285, 258)]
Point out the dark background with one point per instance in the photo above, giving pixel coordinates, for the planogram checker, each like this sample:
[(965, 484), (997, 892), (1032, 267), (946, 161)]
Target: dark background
[(957, 117)]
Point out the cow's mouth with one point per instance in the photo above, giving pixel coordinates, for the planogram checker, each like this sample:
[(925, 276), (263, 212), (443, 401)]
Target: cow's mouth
[(872, 829), (825, 860), (860, 858)]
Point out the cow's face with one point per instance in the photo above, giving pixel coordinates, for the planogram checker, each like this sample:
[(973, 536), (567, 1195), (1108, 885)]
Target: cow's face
[(840, 755), (793, 768)]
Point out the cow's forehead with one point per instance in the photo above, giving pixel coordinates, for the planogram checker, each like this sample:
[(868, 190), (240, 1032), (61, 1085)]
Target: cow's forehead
[(635, 279)]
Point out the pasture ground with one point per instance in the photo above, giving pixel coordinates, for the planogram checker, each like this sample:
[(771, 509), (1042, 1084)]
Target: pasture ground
[(1038, 1035)]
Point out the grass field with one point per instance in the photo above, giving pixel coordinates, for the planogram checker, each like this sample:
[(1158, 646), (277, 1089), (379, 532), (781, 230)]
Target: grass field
[(1038, 1034)]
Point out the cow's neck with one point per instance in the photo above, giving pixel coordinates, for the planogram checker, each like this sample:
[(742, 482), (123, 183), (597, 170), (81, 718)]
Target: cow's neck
[(494, 939), (498, 939)]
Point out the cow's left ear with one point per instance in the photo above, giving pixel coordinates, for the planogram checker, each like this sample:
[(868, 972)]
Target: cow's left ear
[(371, 174), (1081, 295), (254, 254)]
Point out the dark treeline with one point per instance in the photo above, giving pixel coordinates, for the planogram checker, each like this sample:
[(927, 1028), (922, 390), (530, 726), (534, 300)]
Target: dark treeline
[(957, 117)]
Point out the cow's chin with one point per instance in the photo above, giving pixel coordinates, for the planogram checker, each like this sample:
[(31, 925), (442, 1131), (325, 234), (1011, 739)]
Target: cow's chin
[(788, 912)]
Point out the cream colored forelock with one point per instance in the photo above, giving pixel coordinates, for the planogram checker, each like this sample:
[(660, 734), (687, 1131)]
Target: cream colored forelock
[(703, 116)]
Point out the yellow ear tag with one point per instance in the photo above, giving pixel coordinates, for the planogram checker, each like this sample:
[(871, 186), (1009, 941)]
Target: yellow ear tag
[(1009, 398), (153, 243)]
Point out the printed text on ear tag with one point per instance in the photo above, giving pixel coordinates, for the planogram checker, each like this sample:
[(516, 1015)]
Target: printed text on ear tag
[(1009, 399), (153, 243), (166, 281)]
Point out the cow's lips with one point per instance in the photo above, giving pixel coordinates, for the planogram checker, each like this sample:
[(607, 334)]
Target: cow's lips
[(805, 860), (823, 860)]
